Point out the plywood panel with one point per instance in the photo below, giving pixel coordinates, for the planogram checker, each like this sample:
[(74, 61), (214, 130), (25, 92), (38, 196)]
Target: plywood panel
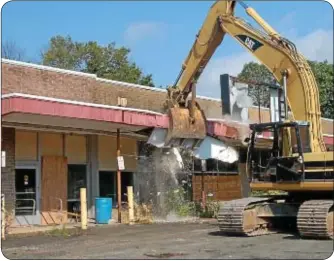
[(54, 187), (25, 145), (75, 149), (51, 144), (107, 153), (107, 146), (222, 187), (129, 149)]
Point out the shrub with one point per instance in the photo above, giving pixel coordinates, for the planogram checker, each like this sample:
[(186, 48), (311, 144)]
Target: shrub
[(176, 202)]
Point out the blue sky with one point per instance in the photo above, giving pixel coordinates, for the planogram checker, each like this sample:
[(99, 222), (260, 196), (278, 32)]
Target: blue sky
[(160, 34)]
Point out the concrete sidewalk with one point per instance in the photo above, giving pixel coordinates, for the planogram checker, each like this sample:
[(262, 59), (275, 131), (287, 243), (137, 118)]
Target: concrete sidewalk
[(37, 229)]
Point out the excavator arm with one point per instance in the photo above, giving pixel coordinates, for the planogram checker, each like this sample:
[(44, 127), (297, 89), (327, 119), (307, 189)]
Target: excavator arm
[(279, 55), (307, 174)]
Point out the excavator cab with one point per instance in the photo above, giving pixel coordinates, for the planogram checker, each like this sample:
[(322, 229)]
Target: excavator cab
[(277, 166)]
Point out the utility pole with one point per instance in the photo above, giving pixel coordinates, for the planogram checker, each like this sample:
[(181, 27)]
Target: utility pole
[(119, 183)]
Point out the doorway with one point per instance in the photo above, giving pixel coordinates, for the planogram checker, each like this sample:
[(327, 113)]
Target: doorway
[(77, 179), (108, 185), (26, 205)]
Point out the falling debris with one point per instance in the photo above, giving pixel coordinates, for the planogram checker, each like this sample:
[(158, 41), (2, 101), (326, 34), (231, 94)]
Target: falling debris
[(178, 157), (158, 181), (157, 137), (212, 148), (209, 148)]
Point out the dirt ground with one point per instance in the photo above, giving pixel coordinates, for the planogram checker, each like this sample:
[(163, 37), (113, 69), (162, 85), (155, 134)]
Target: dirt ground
[(174, 241)]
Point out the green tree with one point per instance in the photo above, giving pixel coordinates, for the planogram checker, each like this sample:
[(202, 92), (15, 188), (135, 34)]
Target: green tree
[(109, 62), (323, 72), (63, 53), (258, 73)]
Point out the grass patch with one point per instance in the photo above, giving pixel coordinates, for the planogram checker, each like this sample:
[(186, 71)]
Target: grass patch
[(259, 193), (64, 232)]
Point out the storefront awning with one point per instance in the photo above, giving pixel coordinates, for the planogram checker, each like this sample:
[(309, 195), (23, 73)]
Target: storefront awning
[(66, 115)]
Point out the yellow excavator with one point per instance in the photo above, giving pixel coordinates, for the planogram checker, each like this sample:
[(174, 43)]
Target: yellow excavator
[(297, 162)]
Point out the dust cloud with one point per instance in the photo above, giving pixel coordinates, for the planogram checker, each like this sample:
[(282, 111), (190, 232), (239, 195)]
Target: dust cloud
[(162, 174)]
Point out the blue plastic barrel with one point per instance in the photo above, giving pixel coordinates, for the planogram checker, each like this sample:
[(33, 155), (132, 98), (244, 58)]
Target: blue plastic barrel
[(103, 208)]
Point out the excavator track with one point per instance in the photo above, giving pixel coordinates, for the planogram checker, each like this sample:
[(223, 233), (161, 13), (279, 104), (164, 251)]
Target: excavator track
[(315, 219), (239, 218)]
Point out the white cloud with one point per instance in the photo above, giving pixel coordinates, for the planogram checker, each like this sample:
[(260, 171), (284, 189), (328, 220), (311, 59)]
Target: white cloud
[(318, 45), (288, 19), (209, 82), (143, 30)]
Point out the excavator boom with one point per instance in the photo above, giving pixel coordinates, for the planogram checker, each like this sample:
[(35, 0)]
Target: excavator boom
[(297, 162), (187, 122), (278, 54)]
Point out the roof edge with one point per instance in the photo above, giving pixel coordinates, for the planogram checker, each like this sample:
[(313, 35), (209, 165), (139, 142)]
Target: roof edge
[(47, 68), (119, 83), (43, 98)]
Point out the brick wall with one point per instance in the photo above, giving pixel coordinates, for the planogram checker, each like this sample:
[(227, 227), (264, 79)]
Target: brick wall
[(29, 80), (85, 88), (8, 172)]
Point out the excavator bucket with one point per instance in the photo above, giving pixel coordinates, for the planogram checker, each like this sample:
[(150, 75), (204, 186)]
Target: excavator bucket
[(184, 132)]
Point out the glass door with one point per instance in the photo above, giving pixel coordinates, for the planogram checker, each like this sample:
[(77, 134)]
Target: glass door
[(26, 197), (77, 178), (108, 186)]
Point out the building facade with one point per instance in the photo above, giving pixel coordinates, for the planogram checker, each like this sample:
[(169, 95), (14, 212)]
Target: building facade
[(58, 134)]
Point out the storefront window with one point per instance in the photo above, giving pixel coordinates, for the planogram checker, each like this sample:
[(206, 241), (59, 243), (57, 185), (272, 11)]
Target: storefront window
[(107, 181), (77, 179), (108, 184), (127, 180), (215, 166)]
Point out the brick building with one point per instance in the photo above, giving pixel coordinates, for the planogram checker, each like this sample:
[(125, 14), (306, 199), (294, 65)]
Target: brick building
[(58, 133)]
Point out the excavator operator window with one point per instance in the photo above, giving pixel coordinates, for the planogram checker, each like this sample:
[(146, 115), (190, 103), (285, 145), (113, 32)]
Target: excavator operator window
[(303, 135)]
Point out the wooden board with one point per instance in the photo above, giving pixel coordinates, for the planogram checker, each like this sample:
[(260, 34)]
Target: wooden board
[(221, 187), (54, 187)]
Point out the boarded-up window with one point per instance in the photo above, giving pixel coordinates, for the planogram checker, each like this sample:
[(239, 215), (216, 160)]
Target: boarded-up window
[(54, 189), (51, 144), (107, 153), (25, 145), (129, 152), (75, 149)]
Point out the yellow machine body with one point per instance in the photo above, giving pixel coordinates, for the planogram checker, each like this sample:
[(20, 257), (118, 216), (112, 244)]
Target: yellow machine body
[(292, 71)]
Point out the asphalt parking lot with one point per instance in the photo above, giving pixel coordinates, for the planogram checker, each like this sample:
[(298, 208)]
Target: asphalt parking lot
[(174, 241)]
